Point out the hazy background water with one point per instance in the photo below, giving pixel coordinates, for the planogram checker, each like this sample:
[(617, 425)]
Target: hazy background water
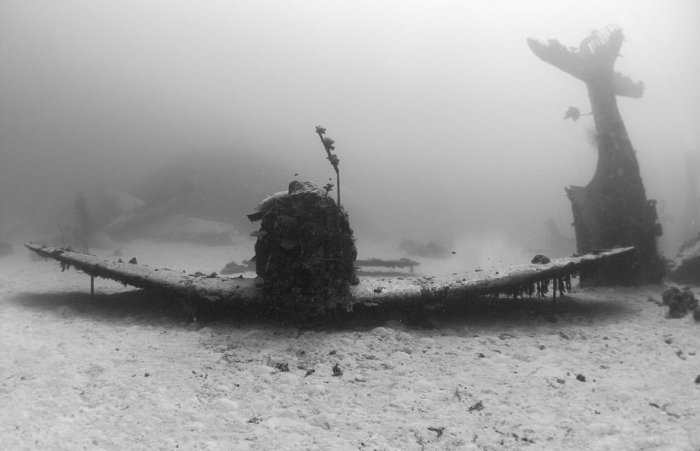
[(447, 127)]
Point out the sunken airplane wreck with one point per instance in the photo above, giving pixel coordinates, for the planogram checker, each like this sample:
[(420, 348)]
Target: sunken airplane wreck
[(306, 268), (306, 265), (515, 281)]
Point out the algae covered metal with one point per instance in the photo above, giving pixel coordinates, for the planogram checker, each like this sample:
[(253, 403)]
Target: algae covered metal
[(517, 281)]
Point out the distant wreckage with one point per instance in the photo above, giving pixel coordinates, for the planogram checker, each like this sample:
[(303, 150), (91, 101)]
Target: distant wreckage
[(526, 280)]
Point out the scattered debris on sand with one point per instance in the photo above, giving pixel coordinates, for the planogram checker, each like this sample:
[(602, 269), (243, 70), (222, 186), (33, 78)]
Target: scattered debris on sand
[(84, 362), (679, 302)]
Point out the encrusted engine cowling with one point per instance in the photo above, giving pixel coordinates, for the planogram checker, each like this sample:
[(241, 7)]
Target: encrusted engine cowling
[(305, 253)]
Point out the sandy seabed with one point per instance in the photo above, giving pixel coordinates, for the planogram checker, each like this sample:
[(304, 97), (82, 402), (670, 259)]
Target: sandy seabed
[(125, 370)]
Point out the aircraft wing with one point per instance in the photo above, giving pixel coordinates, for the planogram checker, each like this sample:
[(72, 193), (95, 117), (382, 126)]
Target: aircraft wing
[(518, 281)]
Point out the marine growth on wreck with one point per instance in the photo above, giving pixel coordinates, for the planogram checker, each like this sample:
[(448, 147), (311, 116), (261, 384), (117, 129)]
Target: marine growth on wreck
[(305, 252)]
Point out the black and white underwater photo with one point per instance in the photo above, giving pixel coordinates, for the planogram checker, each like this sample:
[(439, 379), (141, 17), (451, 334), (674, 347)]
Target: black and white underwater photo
[(350, 225)]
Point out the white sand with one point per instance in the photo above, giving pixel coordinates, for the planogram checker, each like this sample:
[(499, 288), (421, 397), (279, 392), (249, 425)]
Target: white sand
[(115, 372)]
